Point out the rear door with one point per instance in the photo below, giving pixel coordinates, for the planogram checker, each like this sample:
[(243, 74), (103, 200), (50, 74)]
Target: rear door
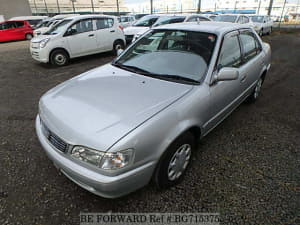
[(252, 59), (81, 38), (105, 33), (20, 29)]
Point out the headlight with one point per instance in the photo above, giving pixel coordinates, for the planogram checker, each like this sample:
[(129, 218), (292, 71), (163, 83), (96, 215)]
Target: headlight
[(103, 160), (44, 42)]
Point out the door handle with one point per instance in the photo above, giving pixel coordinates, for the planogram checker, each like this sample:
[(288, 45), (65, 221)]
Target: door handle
[(112, 31), (243, 78), (91, 35)]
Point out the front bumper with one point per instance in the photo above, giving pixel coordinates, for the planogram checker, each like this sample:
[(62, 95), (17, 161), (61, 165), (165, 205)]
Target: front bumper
[(105, 186), (39, 54)]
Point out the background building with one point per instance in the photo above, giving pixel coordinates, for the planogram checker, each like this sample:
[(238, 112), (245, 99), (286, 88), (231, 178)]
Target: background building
[(77, 6), (11, 8)]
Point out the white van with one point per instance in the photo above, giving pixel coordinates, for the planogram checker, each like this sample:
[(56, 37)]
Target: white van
[(78, 36), (33, 20)]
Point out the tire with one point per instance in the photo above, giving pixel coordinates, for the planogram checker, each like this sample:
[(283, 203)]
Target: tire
[(256, 92), (59, 57), (28, 36), (118, 45), (270, 31), (175, 161)]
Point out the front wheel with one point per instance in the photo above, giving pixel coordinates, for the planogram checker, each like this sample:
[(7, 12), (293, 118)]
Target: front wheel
[(59, 58), (175, 161), (256, 92)]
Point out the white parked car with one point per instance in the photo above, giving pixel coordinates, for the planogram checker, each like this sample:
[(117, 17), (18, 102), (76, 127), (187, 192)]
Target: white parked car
[(262, 24), (143, 25), (78, 36), (234, 18), (47, 24), (126, 21)]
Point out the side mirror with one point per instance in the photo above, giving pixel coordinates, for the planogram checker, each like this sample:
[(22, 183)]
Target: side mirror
[(119, 51), (227, 73)]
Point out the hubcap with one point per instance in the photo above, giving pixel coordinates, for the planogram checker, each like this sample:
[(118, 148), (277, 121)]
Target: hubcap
[(60, 59), (179, 162), (118, 46), (257, 88)]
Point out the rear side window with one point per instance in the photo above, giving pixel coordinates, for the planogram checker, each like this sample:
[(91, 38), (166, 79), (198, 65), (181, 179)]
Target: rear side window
[(250, 44), (246, 19), (104, 23), (230, 55), (19, 24)]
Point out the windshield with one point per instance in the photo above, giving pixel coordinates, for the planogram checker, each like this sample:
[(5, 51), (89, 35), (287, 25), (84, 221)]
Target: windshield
[(42, 24), (169, 19), (58, 27), (257, 19), (169, 54), (146, 21), (226, 18)]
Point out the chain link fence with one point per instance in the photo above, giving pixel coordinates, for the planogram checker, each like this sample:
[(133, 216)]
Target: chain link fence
[(285, 13)]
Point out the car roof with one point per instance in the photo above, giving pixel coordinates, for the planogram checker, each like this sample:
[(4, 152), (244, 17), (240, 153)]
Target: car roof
[(217, 28), (89, 16)]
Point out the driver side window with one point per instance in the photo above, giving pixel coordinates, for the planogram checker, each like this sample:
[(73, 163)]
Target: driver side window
[(230, 54), (81, 27)]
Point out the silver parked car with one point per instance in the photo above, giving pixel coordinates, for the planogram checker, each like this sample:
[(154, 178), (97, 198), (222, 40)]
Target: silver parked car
[(113, 129)]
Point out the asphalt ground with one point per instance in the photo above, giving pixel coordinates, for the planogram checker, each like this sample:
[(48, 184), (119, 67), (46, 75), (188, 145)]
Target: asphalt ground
[(247, 169)]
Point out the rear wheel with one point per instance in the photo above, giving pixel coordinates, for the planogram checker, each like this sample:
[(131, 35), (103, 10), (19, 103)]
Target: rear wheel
[(256, 92), (59, 57), (28, 36), (117, 46), (175, 161)]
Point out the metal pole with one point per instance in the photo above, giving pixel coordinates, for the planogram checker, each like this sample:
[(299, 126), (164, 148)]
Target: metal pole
[(35, 6), (270, 7), (215, 7), (58, 9), (46, 7), (151, 6), (199, 6), (73, 5), (93, 9), (118, 9), (259, 7), (282, 13), (235, 6)]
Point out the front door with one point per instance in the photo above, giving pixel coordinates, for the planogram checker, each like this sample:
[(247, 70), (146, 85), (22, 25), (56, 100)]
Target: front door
[(225, 95), (81, 38)]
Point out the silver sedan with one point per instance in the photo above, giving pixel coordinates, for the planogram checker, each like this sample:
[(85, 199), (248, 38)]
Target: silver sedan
[(113, 129)]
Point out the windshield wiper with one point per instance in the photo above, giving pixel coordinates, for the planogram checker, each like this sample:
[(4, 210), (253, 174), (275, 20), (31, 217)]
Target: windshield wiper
[(175, 77), (154, 75), (132, 68)]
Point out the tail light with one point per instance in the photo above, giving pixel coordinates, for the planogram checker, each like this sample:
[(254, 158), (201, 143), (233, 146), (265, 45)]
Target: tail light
[(121, 27)]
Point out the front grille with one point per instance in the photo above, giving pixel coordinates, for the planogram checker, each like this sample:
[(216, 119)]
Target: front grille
[(54, 140)]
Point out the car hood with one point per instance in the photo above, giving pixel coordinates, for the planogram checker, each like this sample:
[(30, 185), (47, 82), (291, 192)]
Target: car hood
[(101, 106), (135, 30), (40, 38), (41, 30)]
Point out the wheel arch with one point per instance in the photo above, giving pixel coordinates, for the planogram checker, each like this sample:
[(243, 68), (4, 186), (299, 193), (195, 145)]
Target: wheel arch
[(58, 48)]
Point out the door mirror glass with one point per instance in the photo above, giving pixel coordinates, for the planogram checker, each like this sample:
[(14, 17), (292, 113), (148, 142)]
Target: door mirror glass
[(227, 73)]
